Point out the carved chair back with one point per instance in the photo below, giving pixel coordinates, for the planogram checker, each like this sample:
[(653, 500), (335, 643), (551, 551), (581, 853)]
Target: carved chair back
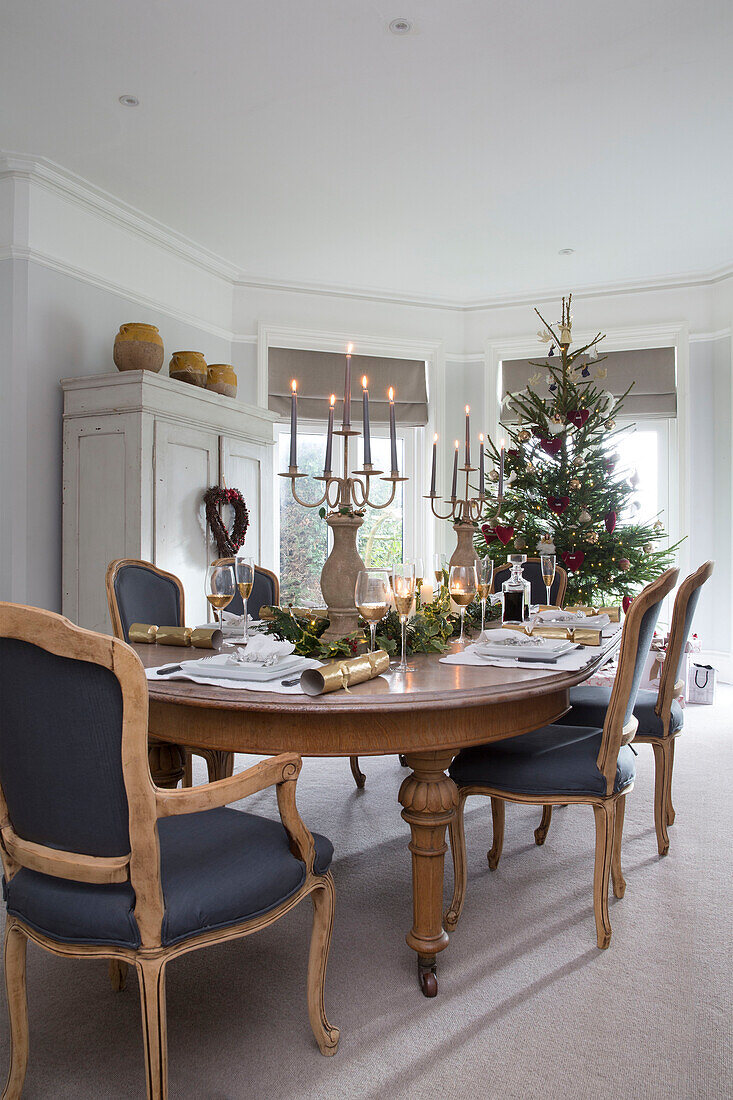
[(140, 592), (265, 590), (76, 798), (685, 604), (532, 570), (638, 629)]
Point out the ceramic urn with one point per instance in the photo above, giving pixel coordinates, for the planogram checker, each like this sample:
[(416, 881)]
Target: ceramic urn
[(188, 366), (138, 347)]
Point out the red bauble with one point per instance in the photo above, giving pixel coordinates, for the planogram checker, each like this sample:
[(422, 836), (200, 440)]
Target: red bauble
[(610, 521), (558, 504), (578, 417), (609, 463), (573, 561), (504, 534), (624, 564), (626, 603), (551, 446)]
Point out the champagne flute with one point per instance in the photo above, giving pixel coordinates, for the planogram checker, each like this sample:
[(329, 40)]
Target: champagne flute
[(462, 584), (438, 569), (485, 575), (244, 571), (219, 588), (372, 599), (547, 563), (403, 588), (419, 578)]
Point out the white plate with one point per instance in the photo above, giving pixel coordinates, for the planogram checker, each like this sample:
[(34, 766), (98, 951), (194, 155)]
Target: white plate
[(220, 668), (549, 647)]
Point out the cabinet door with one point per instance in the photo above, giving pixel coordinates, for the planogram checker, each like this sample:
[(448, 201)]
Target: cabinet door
[(186, 464), (248, 467)]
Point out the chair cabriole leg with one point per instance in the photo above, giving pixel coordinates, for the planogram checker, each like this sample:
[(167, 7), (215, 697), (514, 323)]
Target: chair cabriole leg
[(670, 768), (540, 833), (497, 822), (326, 1035), (661, 767), (358, 774), (605, 817), (151, 976), (15, 987), (617, 876), (457, 837)]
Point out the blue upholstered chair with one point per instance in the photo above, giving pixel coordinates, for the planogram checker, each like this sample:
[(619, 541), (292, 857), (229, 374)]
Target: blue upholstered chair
[(658, 713), (591, 765), (265, 591), (532, 571), (98, 862), (140, 592)]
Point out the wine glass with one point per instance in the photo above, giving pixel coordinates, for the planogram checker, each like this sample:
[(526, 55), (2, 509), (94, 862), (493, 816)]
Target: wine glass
[(419, 578), (219, 588), (372, 599), (462, 585), (485, 575), (403, 589), (547, 563), (244, 571)]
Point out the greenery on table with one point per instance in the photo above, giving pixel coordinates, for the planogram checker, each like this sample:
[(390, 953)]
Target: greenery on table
[(562, 480)]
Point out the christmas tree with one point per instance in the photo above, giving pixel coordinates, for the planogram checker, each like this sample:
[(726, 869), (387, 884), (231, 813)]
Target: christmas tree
[(562, 482)]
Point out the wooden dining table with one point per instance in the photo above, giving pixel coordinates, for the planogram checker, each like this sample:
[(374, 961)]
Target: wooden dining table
[(427, 716)]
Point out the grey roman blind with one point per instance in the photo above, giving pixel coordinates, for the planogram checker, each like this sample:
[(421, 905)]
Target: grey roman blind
[(319, 374), (653, 372)]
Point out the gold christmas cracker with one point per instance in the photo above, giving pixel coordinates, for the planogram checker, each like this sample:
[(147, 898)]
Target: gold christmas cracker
[(207, 637), (174, 635), (345, 673), (581, 635), (267, 613), (142, 633), (614, 613), (203, 637)]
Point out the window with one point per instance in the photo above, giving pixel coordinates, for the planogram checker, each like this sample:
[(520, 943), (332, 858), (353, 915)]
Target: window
[(645, 448), (304, 539)]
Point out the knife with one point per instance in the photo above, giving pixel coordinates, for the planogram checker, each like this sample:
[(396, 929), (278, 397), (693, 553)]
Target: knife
[(167, 669)]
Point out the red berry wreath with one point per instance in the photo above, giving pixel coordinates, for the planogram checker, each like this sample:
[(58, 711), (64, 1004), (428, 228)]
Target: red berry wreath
[(226, 544)]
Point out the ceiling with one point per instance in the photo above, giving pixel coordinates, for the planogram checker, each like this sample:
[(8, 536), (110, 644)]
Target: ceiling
[(303, 142)]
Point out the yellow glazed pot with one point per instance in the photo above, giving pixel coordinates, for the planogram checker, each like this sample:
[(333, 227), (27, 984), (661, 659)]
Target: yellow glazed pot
[(188, 366), (138, 347), (222, 379)]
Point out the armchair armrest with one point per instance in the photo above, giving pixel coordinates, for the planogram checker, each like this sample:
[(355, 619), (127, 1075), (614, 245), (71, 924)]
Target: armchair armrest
[(189, 800), (280, 771)]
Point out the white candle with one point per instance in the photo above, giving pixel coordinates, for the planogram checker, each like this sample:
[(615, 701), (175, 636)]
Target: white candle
[(426, 593), (481, 470), (468, 435), (435, 460), (294, 424), (393, 432), (329, 438), (501, 471), (367, 430), (455, 473), (347, 389)]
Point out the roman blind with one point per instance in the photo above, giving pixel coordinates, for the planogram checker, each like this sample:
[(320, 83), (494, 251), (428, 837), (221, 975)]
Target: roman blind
[(652, 370), (319, 374)]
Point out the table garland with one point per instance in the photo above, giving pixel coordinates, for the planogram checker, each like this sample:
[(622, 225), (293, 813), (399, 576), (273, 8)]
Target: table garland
[(227, 544), (428, 631)]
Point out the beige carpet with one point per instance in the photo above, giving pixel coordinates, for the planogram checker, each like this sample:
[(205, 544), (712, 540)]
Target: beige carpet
[(527, 1005)]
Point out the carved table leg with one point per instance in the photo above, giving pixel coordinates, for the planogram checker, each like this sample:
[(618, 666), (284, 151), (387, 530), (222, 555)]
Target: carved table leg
[(429, 798), (167, 763), (358, 774)]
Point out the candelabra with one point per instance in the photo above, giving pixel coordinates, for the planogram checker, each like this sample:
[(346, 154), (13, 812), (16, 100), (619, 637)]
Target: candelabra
[(345, 497)]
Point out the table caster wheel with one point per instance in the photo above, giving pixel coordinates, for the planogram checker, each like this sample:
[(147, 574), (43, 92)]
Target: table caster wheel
[(428, 978)]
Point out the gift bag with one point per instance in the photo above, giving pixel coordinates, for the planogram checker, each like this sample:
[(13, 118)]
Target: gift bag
[(701, 684)]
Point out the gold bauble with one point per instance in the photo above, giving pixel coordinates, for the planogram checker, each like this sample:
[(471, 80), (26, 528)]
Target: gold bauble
[(574, 483), (529, 468), (658, 526), (610, 423), (592, 536), (577, 461), (648, 548), (520, 543), (494, 475), (519, 518), (523, 435)]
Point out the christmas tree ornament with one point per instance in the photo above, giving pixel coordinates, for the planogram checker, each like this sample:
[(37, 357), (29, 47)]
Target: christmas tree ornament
[(658, 525), (574, 483), (574, 560), (556, 425), (533, 379), (585, 516), (578, 417), (488, 532), (520, 518), (523, 435), (511, 477), (520, 543), (634, 507), (610, 423), (494, 475), (558, 504), (529, 468), (601, 373), (592, 351), (592, 537), (648, 547), (585, 372), (544, 336), (546, 545), (565, 336), (626, 603), (610, 521), (634, 479), (504, 534), (577, 460), (624, 564), (551, 446)]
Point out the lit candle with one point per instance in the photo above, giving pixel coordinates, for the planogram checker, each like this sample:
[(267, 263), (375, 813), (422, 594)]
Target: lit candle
[(426, 593), (294, 424), (435, 460), (501, 471), (481, 463), (392, 432), (455, 473), (367, 431), (329, 438), (347, 389), (468, 436)]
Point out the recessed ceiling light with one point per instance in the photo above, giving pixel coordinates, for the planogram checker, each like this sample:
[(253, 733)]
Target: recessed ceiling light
[(566, 252), (129, 100), (400, 26)]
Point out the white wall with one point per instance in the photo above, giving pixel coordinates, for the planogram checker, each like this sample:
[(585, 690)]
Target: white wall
[(75, 264)]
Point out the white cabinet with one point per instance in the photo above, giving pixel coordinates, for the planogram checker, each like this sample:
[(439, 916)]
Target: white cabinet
[(140, 450)]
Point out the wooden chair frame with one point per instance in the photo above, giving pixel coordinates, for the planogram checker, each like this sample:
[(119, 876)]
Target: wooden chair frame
[(219, 765), (560, 571), (141, 867), (608, 808)]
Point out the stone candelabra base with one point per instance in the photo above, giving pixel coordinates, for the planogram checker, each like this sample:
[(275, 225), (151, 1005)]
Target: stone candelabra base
[(464, 553), (338, 577)]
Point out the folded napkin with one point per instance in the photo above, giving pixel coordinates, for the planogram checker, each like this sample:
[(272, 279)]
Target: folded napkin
[(235, 620), (263, 649), (570, 662), (289, 685)]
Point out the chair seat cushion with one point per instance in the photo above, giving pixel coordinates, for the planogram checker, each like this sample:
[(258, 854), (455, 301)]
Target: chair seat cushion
[(552, 760), (589, 705), (218, 868)]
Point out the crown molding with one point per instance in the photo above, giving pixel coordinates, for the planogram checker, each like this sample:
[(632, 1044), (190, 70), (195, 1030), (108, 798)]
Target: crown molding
[(704, 337)]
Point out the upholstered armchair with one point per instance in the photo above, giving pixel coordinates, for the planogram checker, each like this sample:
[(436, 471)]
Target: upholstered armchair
[(561, 764), (99, 862), (265, 591), (532, 571)]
